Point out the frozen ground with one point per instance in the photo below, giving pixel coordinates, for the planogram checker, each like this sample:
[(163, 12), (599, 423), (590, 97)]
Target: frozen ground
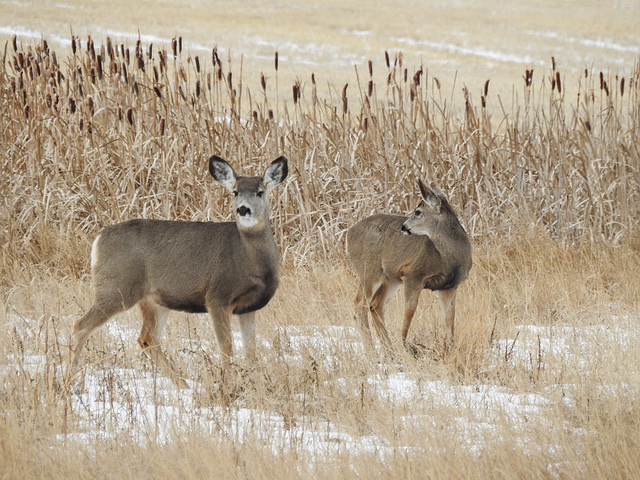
[(146, 407)]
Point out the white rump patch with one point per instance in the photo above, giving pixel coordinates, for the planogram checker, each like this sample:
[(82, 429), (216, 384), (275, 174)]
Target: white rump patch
[(94, 252)]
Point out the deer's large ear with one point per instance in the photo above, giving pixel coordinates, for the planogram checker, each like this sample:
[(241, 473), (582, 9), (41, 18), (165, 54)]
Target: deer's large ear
[(222, 172), (430, 196), (275, 173)]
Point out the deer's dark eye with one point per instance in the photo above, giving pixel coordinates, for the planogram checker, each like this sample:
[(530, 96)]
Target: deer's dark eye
[(417, 213), (235, 193), (260, 193)]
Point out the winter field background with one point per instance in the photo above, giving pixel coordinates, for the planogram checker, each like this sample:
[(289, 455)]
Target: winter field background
[(526, 114)]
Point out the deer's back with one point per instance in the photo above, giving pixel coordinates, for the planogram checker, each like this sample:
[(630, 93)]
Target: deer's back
[(377, 244), (182, 264)]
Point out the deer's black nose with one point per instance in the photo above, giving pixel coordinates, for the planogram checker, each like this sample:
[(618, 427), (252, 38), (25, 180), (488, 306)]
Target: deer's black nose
[(405, 230), (244, 211)]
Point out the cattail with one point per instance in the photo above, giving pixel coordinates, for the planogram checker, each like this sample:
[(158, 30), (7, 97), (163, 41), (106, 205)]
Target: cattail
[(437, 82), (197, 64), (263, 82), (14, 43), (198, 88), (73, 44), (130, 116), (276, 60), (606, 88), (162, 124), (528, 78), (553, 63), (345, 102), (156, 76), (150, 52), (72, 105), (370, 88), (486, 88), (587, 125), (586, 73), (416, 77), (386, 59), (558, 82), (127, 56), (174, 47), (99, 64), (405, 75), (91, 106), (229, 80), (622, 87), (140, 63), (296, 92), (601, 81), (157, 91), (179, 44), (314, 90), (370, 68)]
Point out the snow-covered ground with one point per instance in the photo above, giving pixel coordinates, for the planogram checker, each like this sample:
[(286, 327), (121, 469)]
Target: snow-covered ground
[(145, 406)]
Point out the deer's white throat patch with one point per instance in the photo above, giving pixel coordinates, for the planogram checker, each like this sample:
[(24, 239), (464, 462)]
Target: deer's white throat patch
[(247, 221)]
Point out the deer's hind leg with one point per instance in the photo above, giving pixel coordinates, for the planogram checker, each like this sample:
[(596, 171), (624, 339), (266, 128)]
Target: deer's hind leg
[(154, 318), (447, 305), (362, 318), (377, 305), (106, 305)]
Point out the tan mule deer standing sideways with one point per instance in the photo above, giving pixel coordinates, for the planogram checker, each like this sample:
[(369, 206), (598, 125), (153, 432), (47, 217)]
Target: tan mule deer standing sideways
[(221, 268), (429, 249)]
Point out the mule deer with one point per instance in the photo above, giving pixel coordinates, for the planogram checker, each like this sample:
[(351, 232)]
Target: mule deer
[(220, 268), (429, 249)]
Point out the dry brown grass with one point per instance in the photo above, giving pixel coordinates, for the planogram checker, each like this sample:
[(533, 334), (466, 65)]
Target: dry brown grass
[(549, 191)]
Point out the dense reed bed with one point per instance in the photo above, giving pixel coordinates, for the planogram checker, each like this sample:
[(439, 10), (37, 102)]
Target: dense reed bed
[(111, 132)]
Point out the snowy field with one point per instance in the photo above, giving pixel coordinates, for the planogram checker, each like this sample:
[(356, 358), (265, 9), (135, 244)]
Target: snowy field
[(135, 402)]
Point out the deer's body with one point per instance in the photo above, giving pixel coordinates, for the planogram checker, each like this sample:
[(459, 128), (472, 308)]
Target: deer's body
[(429, 250), (222, 268)]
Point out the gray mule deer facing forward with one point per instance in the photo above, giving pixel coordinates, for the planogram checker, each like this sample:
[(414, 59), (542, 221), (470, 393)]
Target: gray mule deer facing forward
[(429, 249), (220, 268)]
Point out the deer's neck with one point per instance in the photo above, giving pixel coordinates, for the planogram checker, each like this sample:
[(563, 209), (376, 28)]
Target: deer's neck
[(260, 248)]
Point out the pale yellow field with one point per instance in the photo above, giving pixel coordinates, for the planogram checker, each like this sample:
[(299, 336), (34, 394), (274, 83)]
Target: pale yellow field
[(465, 39)]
